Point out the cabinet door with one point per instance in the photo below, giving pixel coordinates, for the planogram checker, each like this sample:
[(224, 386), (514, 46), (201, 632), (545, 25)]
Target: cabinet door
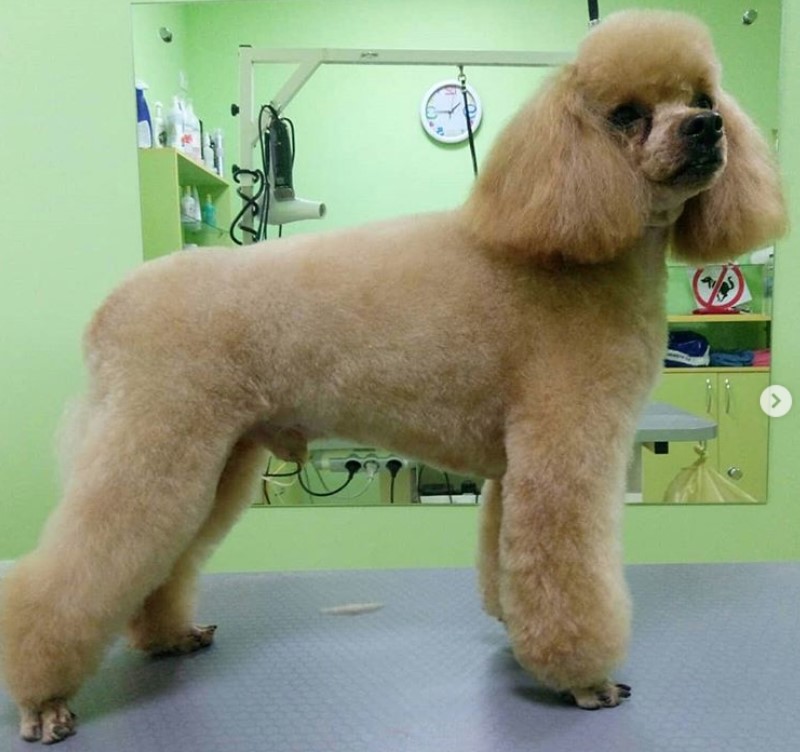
[(743, 431), (697, 393)]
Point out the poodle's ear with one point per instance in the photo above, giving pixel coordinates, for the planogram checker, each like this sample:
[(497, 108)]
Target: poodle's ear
[(742, 210), (557, 186)]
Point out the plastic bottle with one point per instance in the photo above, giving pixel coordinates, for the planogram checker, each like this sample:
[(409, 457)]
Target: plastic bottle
[(197, 216), (191, 135), (208, 152), (175, 124), (159, 127), (144, 128), (219, 164), (188, 210), (209, 212), (768, 281)]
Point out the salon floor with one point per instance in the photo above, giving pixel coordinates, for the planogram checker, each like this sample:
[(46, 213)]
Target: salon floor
[(714, 666)]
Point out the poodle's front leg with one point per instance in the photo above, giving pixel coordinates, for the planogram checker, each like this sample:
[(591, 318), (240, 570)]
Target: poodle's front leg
[(562, 589)]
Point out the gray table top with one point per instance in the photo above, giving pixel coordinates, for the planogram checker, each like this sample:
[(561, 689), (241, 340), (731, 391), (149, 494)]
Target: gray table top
[(714, 666), (663, 422)]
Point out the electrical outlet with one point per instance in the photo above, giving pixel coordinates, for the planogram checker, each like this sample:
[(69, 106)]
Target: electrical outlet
[(338, 464)]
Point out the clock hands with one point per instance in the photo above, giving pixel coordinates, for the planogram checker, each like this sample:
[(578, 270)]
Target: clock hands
[(451, 110)]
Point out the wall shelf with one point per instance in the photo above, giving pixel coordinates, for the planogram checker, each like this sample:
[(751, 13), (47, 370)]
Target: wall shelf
[(720, 318), (163, 174), (719, 369)]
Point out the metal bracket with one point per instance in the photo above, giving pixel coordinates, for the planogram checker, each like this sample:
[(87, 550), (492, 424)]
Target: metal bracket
[(309, 60)]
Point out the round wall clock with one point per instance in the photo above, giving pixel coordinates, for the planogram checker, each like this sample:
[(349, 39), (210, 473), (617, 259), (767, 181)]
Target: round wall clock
[(442, 112)]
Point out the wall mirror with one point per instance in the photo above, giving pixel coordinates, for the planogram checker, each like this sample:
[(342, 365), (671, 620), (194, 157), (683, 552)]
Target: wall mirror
[(358, 137)]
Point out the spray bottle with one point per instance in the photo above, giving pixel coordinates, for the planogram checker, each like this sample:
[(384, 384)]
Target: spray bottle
[(144, 128)]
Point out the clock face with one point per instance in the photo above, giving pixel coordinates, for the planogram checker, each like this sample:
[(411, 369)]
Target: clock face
[(442, 112)]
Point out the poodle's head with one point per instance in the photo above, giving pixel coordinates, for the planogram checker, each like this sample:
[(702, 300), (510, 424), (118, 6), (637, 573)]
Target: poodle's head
[(636, 133)]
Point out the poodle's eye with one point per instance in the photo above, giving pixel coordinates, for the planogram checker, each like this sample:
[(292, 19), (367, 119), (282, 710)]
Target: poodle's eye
[(703, 102), (626, 115)]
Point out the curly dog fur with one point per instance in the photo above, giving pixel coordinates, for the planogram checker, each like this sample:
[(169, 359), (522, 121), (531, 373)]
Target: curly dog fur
[(539, 305)]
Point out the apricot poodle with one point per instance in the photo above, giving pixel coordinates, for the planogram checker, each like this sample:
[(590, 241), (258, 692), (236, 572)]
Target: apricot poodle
[(539, 306)]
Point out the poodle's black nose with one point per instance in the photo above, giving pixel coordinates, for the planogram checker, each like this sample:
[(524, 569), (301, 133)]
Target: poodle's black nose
[(704, 129)]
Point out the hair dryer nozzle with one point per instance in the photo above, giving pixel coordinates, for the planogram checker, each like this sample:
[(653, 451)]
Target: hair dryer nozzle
[(283, 212)]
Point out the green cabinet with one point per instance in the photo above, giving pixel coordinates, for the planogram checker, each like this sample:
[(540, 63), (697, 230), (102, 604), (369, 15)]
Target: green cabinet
[(731, 398), (163, 176)]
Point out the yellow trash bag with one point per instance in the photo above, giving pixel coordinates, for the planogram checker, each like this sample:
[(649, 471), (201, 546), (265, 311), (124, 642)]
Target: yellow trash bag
[(702, 484)]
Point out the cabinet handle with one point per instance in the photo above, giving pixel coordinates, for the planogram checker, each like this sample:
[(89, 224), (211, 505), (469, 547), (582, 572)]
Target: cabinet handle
[(728, 387), (735, 473), (709, 395)]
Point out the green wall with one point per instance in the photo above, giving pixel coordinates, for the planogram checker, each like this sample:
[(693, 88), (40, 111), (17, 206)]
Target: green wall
[(71, 230)]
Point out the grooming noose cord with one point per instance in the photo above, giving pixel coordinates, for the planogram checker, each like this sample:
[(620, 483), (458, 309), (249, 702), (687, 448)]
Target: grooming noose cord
[(462, 80)]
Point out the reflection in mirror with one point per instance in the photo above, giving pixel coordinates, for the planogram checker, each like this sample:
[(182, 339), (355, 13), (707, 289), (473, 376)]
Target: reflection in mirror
[(356, 140)]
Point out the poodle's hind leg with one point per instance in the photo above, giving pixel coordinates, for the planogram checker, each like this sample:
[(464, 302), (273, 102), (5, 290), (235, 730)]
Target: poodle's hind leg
[(141, 488), (562, 589), (489, 548), (164, 624)]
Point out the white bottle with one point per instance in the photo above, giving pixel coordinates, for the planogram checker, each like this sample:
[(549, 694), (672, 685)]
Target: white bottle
[(208, 152), (191, 126), (175, 125), (159, 127), (188, 210), (197, 210), (219, 164)]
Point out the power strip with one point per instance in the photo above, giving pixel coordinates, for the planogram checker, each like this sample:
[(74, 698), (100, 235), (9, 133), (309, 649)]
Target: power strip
[(338, 464)]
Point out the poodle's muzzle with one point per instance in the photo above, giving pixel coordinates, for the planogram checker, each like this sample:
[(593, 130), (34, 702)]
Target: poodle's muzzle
[(702, 136)]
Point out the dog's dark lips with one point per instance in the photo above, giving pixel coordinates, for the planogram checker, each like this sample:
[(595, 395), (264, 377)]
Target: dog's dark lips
[(699, 168)]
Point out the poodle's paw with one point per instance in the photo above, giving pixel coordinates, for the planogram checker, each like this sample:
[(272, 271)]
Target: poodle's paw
[(606, 695), (196, 638), (50, 722)]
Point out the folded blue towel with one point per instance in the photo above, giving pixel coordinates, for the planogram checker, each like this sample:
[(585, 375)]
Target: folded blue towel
[(731, 358)]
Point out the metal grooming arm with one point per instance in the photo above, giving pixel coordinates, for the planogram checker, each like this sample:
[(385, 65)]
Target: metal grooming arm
[(309, 60)]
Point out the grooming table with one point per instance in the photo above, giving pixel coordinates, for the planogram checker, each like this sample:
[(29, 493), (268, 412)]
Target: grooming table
[(714, 666), (659, 425)]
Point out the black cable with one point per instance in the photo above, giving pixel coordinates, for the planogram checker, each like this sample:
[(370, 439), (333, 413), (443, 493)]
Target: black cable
[(282, 475), (263, 141), (352, 466), (594, 12), (260, 178), (393, 466), (265, 156), (250, 203)]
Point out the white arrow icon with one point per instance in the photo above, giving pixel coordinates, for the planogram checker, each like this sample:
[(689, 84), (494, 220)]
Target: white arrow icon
[(776, 401)]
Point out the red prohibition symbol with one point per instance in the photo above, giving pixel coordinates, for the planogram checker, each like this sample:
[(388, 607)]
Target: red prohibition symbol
[(718, 288)]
